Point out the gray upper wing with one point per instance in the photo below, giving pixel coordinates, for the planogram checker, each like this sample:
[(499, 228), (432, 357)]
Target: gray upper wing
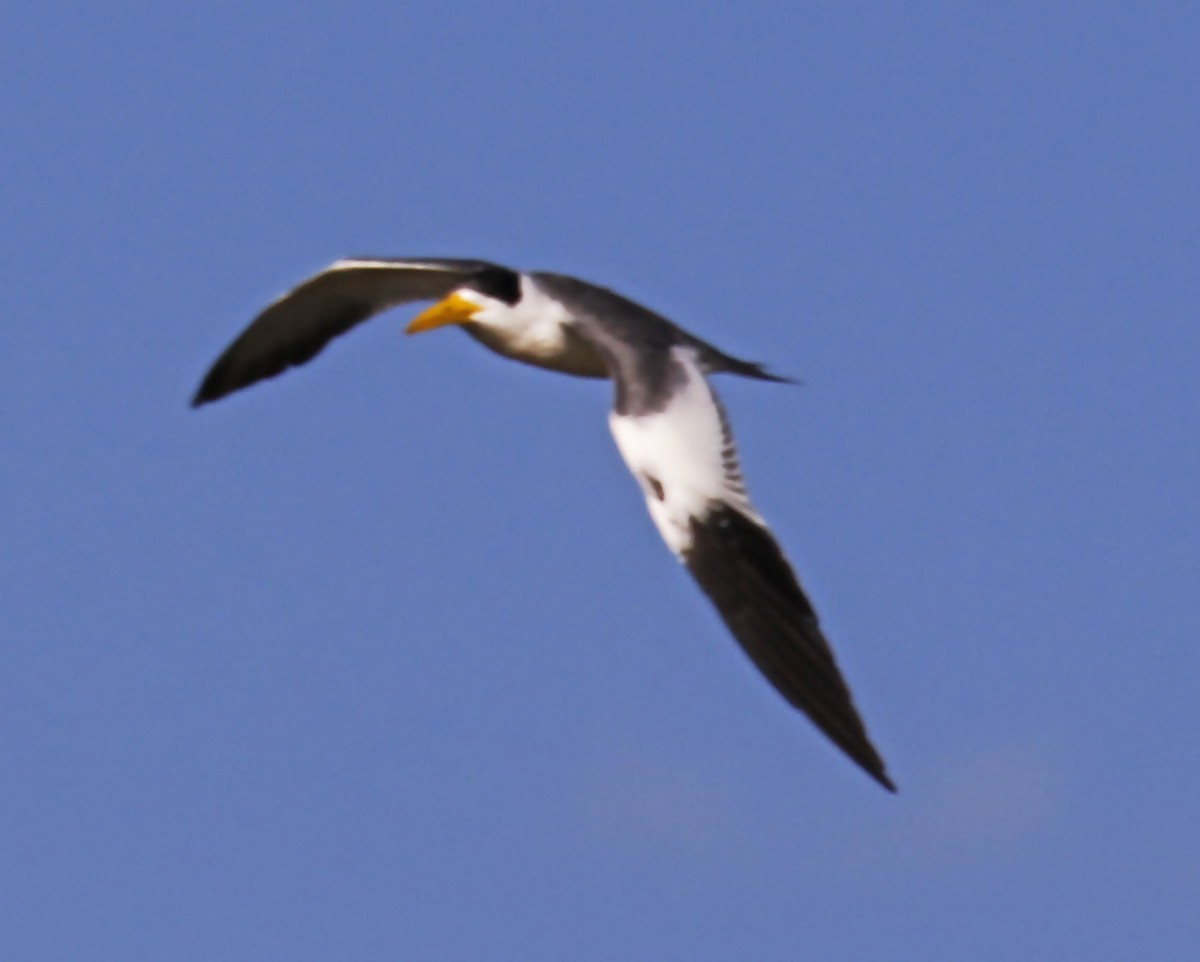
[(637, 342), (293, 329)]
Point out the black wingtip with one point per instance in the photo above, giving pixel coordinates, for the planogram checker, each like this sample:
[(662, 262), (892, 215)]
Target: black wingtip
[(741, 568), (766, 375), (866, 757), (207, 392), (886, 782)]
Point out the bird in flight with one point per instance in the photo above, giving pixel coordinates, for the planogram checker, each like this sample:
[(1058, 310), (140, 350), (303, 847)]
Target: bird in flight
[(666, 419)]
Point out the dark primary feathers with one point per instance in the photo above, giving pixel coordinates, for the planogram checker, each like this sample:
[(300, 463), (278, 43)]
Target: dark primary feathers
[(740, 567), (697, 498), (295, 328)]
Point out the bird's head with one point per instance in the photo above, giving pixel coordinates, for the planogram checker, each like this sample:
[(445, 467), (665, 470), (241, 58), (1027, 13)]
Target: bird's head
[(487, 296)]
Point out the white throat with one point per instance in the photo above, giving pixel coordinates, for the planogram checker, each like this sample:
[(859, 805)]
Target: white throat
[(535, 330)]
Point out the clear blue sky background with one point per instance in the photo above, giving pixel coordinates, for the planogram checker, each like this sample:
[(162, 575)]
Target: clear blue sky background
[(384, 660)]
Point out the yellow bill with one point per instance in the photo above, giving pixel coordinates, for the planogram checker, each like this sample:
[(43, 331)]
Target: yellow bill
[(454, 309)]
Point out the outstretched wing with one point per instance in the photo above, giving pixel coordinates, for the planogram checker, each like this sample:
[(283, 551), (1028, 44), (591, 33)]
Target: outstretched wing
[(672, 432), (293, 329)]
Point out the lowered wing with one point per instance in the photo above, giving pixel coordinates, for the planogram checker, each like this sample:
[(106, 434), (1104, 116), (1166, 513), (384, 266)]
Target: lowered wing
[(672, 432)]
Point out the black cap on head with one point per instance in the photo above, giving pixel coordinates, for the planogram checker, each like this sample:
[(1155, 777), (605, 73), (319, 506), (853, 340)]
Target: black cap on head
[(498, 282)]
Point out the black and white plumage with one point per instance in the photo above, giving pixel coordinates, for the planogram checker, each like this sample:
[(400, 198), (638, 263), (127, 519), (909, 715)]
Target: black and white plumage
[(668, 424)]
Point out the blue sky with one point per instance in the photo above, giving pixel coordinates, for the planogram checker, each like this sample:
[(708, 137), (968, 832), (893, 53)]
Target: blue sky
[(384, 659)]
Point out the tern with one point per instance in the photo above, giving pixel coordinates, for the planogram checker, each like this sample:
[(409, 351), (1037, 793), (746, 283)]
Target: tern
[(668, 424)]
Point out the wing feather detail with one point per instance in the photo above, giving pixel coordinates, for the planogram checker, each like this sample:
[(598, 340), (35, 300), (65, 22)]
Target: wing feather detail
[(295, 328), (681, 451), (741, 568)]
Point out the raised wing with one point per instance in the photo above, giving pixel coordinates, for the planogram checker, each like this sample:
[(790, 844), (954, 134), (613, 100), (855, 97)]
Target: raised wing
[(672, 432), (293, 329)]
